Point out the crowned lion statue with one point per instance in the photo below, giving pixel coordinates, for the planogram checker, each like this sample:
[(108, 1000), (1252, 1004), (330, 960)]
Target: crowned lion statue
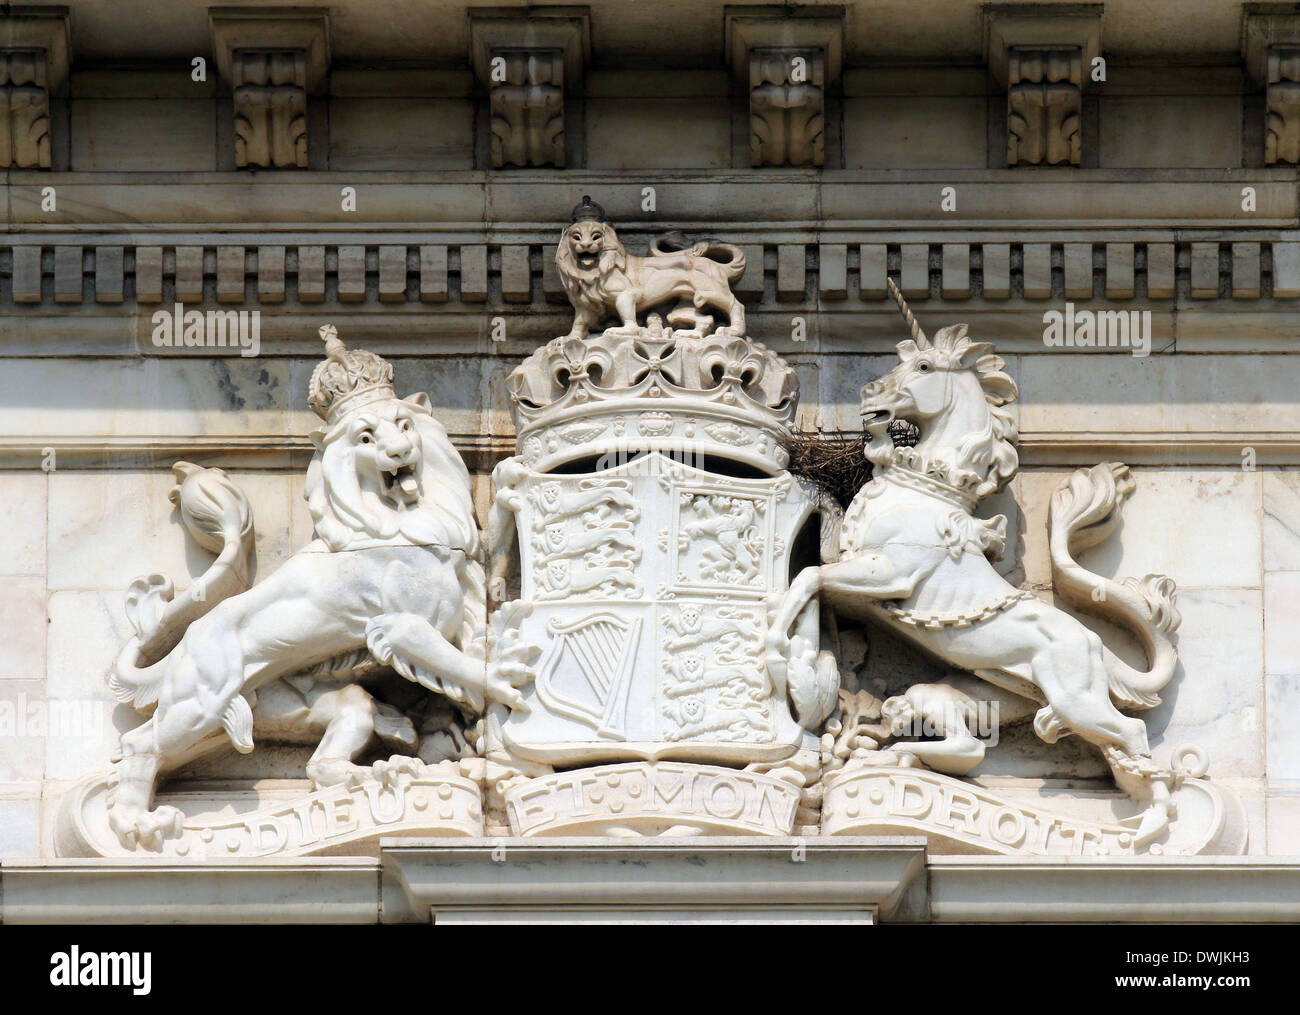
[(393, 575), (603, 280)]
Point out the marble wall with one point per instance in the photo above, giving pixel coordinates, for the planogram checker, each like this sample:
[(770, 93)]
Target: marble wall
[(72, 537), (151, 210)]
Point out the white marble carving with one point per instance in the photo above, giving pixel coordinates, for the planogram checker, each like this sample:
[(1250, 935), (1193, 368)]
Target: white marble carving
[(787, 108), (273, 59), (1045, 56), (527, 61), (603, 280), (647, 584), (665, 657), (1282, 120), (34, 48), (914, 558), (342, 817), (653, 593), (957, 816), (1044, 107), (787, 60), (646, 562), (528, 110), (392, 577), (665, 798)]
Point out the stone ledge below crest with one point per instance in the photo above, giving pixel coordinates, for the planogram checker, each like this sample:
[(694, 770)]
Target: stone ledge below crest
[(684, 880)]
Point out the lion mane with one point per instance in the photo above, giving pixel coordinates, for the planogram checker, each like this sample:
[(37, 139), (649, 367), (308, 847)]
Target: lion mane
[(589, 288), (346, 516)]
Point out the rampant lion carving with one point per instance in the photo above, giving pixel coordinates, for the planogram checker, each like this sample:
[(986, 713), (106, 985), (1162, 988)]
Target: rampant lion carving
[(602, 279), (394, 569)]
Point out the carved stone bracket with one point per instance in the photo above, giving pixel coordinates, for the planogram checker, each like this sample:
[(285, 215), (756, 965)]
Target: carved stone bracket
[(1042, 56), (1044, 107), (787, 107), (1271, 50), (1282, 124), (786, 64), (272, 58), (527, 64), (34, 48), (528, 109)]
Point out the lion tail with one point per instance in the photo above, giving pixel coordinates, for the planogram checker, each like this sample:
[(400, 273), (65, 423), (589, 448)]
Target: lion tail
[(134, 685), (1084, 511), (217, 515), (735, 267)]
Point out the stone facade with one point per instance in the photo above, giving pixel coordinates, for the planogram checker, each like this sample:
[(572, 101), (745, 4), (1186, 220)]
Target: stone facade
[(370, 171)]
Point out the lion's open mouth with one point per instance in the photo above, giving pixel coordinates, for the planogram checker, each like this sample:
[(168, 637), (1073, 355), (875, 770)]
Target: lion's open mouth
[(401, 484), (587, 261)]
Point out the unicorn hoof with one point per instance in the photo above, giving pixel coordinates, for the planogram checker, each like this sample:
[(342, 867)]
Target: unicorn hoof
[(1151, 824)]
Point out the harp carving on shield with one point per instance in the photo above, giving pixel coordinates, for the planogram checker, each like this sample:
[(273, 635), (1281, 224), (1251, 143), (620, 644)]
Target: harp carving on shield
[(597, 673)]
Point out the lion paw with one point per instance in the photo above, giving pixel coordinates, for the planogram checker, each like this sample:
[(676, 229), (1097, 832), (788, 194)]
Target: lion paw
[(510, 670), (503, 691), (778, 643), (388, 636), (389, 772), (779, 650), (327, 772), (146, 829)]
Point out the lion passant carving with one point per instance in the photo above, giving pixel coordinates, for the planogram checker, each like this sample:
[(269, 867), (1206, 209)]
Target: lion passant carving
[(393, 573), (602, 279)]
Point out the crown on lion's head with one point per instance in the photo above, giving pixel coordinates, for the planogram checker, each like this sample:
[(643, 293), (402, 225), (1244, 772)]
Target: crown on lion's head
[(384, 471), (589, 252), (347, 379)]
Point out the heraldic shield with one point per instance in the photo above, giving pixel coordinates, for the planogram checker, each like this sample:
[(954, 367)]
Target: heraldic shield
[(649, 586)]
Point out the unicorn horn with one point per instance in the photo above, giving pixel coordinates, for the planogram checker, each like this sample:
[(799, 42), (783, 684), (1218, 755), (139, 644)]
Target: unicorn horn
[(918, 336)]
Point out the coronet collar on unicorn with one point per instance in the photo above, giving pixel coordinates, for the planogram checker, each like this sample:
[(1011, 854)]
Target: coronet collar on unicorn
[(348, 379), (906, 467)]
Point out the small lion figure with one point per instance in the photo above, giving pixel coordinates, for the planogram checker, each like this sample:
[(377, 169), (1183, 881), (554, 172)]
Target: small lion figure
[(603, 279)]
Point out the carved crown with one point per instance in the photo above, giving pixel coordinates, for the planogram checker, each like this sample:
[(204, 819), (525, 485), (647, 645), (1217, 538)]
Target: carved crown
[(588, 211), (347, 379), (656, 389)]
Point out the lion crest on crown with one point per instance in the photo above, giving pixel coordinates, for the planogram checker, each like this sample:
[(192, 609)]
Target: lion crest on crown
[(602, 279)]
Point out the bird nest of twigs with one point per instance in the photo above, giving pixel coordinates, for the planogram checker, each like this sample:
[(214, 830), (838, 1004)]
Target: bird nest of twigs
[(833, 459), (836, 460)]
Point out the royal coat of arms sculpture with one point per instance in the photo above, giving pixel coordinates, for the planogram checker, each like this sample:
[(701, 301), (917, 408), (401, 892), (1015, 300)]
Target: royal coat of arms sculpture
[(644, 639)]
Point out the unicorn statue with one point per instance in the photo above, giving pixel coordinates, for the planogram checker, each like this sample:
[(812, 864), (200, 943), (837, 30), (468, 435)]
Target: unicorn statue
[(914, 557)]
